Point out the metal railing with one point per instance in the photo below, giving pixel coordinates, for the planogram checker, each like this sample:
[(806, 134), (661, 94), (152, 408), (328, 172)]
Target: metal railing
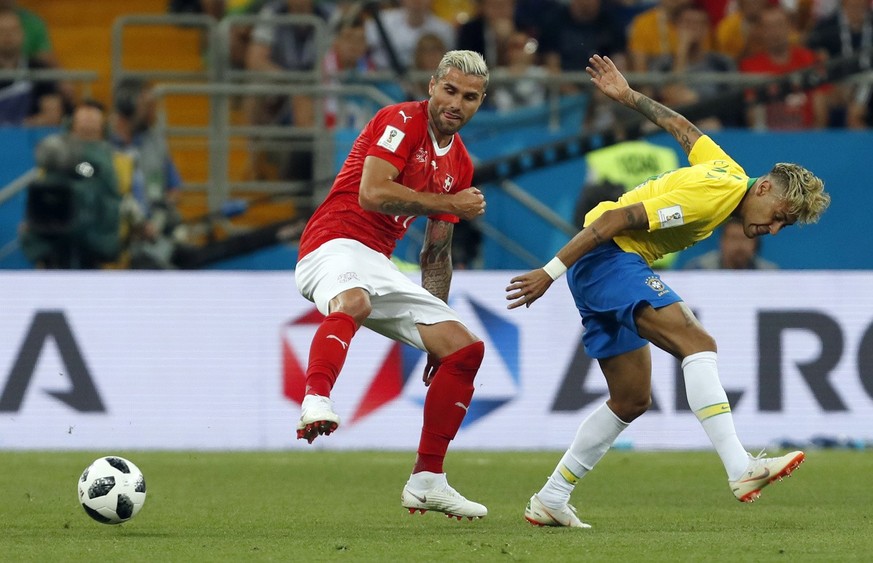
[(221, 83), (123, 23), (220, 131), (86, 77)]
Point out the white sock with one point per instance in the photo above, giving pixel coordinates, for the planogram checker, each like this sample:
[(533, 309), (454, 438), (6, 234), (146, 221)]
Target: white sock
[(707, 399), (593, 438), (426, 480)]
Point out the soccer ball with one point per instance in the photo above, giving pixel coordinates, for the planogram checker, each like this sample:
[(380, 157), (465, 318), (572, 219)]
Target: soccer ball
[(112, 490)]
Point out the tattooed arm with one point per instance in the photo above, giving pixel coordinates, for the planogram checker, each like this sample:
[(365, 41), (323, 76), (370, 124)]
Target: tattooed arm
[(436, 275), (436, 258), (381, 193), (610, 81)]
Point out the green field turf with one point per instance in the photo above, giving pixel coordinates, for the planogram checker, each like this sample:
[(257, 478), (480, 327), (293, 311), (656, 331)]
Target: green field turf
[(321, 506)]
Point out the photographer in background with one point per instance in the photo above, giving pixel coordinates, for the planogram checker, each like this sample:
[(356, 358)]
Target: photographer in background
[(150, 186), (72, 214)]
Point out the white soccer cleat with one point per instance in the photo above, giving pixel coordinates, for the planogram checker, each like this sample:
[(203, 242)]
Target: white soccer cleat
[(441, 497), (761, 472), (316, 418), (539, 514)]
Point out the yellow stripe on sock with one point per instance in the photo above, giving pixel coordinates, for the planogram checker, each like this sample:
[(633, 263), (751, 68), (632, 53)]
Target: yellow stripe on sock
[(568, 475), (712, 410)]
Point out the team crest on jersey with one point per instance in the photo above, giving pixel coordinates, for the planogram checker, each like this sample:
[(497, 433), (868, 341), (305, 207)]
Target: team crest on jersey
[(657, 285), (421, 155), (447, 183), (391, 138)]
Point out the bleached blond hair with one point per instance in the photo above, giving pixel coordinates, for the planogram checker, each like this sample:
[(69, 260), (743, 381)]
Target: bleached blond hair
[(803, 190), (468, 62)]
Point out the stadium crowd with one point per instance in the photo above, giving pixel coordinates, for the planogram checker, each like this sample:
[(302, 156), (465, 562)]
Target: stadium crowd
[(532, 46), (534, 40), (531, 40)]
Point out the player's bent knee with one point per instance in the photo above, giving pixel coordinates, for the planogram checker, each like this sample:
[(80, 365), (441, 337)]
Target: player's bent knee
[(355, 303), (701, 341), (629, 409), (468, 358)]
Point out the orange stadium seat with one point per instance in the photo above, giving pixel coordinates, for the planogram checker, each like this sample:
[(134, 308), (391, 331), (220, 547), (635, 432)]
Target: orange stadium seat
[(81, 31)]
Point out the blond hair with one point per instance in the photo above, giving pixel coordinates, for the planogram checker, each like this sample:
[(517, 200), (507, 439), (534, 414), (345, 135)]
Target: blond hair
[(803, 190), (468, 62)]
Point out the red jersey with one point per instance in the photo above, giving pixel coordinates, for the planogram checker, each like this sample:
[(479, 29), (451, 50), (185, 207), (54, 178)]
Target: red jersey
[(796, 110), (400, 135)]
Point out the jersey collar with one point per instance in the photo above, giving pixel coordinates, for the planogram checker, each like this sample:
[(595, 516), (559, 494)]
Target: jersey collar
[(751, 183), (440, 151)]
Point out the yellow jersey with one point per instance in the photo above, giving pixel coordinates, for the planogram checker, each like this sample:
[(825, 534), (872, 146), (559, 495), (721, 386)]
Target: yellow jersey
[(684, 206)]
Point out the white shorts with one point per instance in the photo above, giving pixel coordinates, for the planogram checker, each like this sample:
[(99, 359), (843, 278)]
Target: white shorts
[(399, 304)]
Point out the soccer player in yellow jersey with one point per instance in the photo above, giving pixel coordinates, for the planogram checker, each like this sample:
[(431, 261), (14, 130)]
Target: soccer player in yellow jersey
[(625, 306)]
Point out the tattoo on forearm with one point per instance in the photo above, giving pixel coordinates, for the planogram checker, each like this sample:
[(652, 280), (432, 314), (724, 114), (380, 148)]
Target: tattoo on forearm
[(665, 117), (598, 238), (684, 139), (436, 259), (437, 281), (652, 109), (405, 208)]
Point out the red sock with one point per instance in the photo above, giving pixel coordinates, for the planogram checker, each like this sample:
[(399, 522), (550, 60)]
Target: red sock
[(452, 384), (327, 354)]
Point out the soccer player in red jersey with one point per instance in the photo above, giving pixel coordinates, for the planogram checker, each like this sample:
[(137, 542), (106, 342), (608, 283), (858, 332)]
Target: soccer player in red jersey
[(408, 161)]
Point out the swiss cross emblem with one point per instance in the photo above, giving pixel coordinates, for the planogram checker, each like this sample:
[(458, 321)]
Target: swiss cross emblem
[(447, 183)]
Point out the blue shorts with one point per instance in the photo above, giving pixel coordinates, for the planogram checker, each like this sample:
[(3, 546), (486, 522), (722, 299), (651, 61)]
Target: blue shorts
[(609, 285)]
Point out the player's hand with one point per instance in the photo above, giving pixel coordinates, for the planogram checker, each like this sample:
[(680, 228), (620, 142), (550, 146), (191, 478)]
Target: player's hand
[(430, 369), (527, 288), (468, 204), (607, 77)]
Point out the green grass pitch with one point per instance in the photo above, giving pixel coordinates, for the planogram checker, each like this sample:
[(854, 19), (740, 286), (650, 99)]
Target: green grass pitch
[(326, 506)]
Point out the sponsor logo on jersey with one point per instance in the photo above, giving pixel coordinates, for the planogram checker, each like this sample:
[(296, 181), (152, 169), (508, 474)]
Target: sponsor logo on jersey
[(405, 117), (671, 216), (391, 138)]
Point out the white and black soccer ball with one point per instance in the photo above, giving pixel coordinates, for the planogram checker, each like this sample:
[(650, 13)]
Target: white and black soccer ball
[(112, 490)]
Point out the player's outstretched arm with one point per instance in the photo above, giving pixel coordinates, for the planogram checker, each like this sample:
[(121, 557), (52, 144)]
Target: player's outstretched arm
[(527, 288), (611, 82)]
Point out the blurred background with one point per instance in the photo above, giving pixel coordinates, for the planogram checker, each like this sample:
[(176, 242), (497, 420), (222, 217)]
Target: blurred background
[(224, 121)]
